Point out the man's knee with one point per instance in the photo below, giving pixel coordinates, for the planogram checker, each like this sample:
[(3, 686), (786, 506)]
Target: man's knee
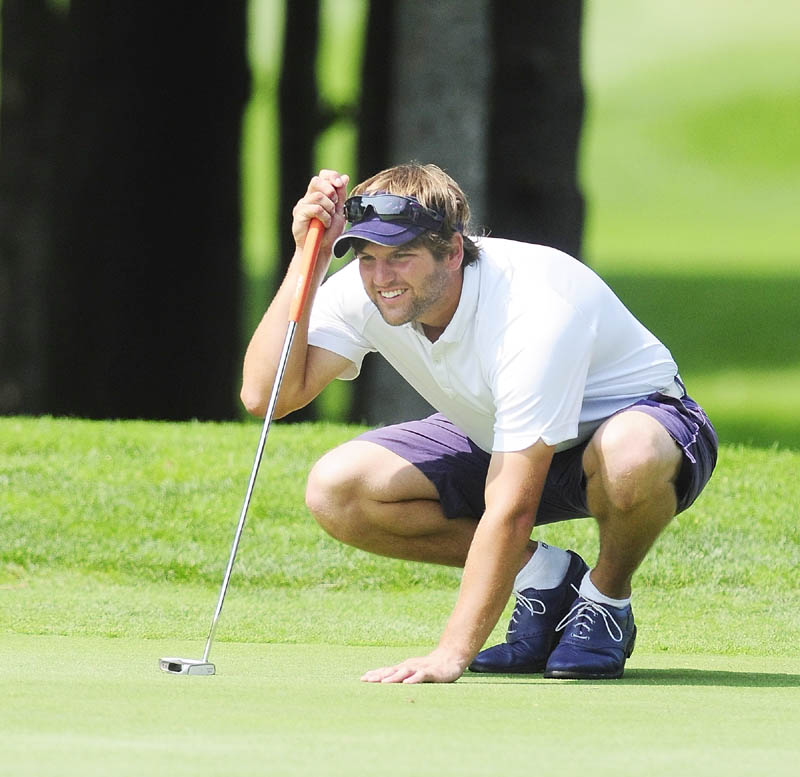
[(631, 459), (332, 493)]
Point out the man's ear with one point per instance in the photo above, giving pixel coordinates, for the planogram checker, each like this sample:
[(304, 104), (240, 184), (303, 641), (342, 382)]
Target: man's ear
[(456, 255)]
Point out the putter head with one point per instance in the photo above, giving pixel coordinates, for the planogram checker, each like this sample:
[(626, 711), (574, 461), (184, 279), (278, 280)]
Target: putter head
[(194, 666)]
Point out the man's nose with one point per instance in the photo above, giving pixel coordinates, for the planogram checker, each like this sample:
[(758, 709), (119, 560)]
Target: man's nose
[(383, 273)]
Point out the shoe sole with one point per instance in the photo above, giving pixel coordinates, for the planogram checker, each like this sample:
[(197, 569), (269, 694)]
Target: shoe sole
[(574, 674), (537, 668), (527, 669), (565, 674)]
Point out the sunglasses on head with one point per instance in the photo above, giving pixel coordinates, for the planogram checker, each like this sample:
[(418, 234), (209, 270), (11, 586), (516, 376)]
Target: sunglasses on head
[(391, 207)]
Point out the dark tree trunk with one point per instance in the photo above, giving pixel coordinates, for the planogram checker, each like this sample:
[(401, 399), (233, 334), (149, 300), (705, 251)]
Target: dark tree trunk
[(144, 289), (491, 92), (31, 66), (373, 113), (299, 125), (536, 117)]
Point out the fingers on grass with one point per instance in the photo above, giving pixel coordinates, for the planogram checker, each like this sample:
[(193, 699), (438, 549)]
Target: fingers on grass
[(388, 674)]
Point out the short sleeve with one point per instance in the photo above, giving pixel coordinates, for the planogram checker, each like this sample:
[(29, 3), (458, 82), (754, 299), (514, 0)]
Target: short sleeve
[(335, 319)]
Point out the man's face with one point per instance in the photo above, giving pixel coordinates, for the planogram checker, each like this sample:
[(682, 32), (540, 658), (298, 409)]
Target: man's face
[(409, 284)]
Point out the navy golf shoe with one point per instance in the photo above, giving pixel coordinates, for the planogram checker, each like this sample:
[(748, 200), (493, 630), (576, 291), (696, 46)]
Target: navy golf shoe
[(532, 632), (597, 640)]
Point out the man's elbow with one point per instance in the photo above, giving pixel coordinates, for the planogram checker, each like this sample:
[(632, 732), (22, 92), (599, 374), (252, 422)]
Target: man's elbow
[(253, 402), (256, 404)]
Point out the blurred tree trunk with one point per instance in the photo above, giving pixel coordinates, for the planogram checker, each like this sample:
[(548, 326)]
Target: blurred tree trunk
[(434, 105), (376, 96), (32, 50), (536, 118), (299, 125), (144, 286), (492, 93)]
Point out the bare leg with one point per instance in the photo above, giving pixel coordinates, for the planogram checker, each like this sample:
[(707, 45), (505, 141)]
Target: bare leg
[(631, 465), (366, 496)]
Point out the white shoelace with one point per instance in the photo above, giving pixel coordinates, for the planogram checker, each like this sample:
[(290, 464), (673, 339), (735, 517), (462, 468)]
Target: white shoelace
[(529, 605), (583, 613)]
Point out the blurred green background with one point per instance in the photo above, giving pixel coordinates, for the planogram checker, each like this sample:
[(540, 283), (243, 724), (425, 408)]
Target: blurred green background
[(690, 165)]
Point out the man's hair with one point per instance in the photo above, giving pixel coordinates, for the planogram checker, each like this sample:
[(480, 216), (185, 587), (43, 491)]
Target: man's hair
[(434, 188)]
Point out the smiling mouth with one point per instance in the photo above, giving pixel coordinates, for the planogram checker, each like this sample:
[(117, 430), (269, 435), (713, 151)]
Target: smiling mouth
[(391, 294)]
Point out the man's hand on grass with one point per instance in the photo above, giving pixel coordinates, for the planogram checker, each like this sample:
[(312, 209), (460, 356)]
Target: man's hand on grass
[(437, 667)]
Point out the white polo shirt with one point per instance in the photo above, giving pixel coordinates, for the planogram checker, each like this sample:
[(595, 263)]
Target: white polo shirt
[(539, 347)]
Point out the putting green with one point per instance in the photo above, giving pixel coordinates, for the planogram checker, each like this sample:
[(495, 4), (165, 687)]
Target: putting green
[(85, 706)]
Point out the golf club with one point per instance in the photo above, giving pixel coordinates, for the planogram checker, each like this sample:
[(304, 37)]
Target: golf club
[(202, 666)]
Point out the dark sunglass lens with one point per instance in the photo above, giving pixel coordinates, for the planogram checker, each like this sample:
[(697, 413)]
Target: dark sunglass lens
[(390, 207), (353, 209), (388, 204)]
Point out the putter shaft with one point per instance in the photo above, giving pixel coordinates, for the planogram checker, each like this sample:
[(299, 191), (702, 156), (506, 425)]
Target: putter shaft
[(276, 387)]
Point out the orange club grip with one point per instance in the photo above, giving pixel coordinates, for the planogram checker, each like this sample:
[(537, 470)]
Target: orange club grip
[(307, 264)]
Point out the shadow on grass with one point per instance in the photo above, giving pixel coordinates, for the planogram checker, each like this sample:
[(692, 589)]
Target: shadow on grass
[(715, 322), (687, 677), (711, 677), (783, 433)]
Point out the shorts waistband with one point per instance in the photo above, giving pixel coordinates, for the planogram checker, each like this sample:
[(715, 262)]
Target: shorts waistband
[(676, 389)]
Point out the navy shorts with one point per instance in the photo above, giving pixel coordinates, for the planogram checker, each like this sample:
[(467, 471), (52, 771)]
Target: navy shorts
[(458, 467)]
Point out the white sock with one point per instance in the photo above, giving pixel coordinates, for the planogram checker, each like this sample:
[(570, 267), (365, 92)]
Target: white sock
[(546, 569), (589, 591)]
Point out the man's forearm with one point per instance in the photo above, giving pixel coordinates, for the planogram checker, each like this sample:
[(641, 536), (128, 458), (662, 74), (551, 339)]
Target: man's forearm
[(263, 352), (323, 201), (513, 489), (495, 556)]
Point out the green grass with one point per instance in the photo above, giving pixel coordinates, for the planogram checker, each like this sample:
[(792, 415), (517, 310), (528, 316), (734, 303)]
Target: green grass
[(158, 501), (128, 513), (114, 539), (113, 536), (691, 145), (299, 710)]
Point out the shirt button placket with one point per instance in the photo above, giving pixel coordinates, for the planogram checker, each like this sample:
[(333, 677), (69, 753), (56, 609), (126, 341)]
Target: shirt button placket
[(440, 368)]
